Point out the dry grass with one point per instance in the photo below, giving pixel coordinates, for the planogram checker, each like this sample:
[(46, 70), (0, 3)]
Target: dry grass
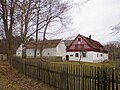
[(12, 80), (109, 63)]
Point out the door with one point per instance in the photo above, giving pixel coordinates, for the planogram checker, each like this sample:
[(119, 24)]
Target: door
[(67, 57)]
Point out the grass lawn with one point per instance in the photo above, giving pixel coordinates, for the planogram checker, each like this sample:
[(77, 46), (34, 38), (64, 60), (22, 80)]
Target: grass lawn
[(110, 63)]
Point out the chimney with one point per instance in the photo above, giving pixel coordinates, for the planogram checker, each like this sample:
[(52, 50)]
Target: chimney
[(89, 36)]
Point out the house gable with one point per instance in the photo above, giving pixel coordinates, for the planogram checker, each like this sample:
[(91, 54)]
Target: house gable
[(78, 42), (86, 44)]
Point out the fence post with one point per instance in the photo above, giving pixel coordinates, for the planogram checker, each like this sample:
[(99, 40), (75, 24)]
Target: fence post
[(48, 74), (98, 78), (117, 67), (112, 79), (105, 78), (67, 78), (38, 70), (25, 67)]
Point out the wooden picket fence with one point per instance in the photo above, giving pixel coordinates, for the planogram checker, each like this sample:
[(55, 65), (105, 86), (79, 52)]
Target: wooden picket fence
[(70, 76)]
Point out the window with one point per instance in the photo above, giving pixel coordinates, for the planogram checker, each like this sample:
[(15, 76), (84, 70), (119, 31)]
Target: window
[(78, 39), (76, 55), (48, 53), (71, 55), (84, 54)]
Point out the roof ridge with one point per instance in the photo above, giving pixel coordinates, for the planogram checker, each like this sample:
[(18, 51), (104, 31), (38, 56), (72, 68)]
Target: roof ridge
[(86, 38)]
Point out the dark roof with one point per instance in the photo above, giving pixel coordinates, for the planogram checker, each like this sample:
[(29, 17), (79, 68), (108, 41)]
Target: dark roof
[(95, 44), (47, 43), (67, 42), (91, 42)]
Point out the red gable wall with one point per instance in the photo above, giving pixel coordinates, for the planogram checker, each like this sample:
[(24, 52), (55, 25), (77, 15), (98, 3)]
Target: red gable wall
[(87, 44), (76, 41)]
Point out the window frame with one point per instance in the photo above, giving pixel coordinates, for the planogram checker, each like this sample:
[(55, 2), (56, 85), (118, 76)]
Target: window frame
[(84, 54), (76, 54), (71, 55)]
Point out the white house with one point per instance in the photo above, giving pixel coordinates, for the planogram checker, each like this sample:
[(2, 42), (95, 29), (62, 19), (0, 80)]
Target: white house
[(80, 49), (85, 49), (54, 47)]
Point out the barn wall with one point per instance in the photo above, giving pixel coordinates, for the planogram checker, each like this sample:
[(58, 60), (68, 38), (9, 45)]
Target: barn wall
[(61, 50), (49, 52), (19, 51)]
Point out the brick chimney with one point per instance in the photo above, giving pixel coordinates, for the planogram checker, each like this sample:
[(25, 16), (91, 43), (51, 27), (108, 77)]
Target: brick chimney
[(89, 36)]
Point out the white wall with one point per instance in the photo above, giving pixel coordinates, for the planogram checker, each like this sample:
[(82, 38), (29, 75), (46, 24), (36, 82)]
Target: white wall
[(19, 51), (49, 52), (30, 52), (61, 50), (99, 57), (90, 56)]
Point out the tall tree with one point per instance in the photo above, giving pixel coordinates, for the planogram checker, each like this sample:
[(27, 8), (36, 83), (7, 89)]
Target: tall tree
[(51, 12), (26, 14), (31, 16), (113, 49), (7, 15), (37, 26)]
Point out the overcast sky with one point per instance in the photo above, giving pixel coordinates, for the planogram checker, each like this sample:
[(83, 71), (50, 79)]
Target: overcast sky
[(96, 18)]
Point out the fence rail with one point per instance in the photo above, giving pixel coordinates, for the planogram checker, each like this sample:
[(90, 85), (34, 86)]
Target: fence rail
[(69, 77)]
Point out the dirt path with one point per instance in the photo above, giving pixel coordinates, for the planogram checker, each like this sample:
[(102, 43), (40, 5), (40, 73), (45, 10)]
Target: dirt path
[(12, 80)]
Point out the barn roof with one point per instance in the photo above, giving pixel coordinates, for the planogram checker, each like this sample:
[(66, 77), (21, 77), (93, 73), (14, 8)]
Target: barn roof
[(47, 44), (67, 42)]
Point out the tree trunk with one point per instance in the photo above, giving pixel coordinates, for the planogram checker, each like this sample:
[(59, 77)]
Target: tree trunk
[(36, 45), (9, 47), (37, 26), (24, 50), (42, 44)]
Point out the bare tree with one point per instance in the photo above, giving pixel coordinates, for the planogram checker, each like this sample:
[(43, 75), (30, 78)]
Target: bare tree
[(113, 49), (27, 17), (37, 26), (54, 11), (116, 28), (7, 15), (51, 13), (26, 10)]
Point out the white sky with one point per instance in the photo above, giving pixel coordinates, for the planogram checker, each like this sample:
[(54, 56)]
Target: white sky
[(96, 18)]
